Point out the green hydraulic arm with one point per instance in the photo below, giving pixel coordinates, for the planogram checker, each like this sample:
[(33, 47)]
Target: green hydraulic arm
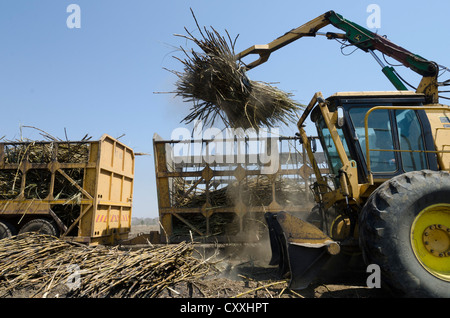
[(365, 40)]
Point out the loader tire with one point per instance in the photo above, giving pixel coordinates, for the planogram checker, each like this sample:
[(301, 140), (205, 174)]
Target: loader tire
[(41, 226), (395, 226), (6, 230)]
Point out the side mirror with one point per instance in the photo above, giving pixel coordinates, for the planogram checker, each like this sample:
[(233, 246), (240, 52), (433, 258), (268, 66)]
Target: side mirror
[(340, 117), (320, 100)]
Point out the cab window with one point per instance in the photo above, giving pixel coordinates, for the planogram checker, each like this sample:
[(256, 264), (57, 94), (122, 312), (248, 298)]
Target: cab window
[(330, 150), (381, 142), (411, 140)]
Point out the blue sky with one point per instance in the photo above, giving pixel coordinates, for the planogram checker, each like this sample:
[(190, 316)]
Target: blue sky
[(102, 77)]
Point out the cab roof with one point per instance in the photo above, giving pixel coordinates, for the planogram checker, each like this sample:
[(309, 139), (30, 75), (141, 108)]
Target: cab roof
[(376, 94), (381, 96)]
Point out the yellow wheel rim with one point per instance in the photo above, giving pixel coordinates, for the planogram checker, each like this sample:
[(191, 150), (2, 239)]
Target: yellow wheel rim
[(430, 239)]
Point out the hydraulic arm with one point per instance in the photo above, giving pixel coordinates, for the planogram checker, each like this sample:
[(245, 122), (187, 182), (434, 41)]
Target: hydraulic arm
[(363, 39)]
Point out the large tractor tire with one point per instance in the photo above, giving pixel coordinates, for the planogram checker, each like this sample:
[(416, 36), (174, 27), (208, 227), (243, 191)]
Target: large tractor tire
[(41, 226), (6, 230), (405, 229)]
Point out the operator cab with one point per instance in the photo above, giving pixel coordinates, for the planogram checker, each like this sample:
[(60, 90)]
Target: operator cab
[(404, 130)]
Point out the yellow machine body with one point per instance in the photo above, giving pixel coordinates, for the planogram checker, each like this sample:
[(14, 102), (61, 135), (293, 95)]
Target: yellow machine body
[(99, 212)]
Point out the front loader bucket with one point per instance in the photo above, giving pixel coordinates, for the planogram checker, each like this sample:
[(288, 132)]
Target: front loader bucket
[(299, 248)]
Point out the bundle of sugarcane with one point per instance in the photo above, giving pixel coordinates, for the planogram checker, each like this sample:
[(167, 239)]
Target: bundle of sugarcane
[(217, 85), (45, 264)]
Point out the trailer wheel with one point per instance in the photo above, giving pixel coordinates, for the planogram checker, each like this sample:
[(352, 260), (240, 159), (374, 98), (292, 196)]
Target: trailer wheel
[(41, 226), (6, 230), (405, 229)]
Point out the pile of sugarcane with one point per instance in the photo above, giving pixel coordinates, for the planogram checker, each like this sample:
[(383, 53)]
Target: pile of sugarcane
[(217, 85), (10, 181), (255, 191), (38, 184), (42, 152), (38, 180), (252, 191), (42, 265), (197, 197)]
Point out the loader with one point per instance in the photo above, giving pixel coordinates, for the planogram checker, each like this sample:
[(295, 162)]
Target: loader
[(387, 193)]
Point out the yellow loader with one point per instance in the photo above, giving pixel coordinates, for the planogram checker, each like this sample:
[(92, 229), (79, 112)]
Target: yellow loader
[(387, 193)]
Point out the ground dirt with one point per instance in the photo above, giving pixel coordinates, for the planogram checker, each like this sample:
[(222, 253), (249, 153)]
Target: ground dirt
[(244, 272)]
